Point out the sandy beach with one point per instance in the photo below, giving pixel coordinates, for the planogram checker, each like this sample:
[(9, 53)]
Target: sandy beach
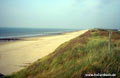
[(15, 55)]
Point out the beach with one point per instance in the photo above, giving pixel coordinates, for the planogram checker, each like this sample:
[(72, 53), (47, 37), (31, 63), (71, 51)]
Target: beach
[(17, 54)]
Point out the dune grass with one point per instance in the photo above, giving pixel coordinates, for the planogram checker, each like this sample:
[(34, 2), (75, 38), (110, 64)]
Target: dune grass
[(86, 54)]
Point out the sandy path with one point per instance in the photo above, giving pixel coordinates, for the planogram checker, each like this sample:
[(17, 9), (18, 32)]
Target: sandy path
[(14, 55)]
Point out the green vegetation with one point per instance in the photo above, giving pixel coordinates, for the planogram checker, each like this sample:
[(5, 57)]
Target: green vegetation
[(86, 54)]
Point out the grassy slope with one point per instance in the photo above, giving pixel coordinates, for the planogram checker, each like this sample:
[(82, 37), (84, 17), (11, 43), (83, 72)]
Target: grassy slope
[(87, 53)]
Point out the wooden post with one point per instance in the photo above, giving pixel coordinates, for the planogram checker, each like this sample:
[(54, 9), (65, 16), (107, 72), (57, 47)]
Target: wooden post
[(109, 43)]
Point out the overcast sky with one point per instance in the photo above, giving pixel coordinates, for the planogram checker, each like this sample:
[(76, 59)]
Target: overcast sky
[(60, 13)]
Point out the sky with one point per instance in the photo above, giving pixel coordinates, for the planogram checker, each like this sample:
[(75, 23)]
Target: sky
[(78, 14)]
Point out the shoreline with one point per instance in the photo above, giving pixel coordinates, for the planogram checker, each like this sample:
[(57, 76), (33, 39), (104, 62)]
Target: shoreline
[(18, 37), (33, 36), (16, 54)]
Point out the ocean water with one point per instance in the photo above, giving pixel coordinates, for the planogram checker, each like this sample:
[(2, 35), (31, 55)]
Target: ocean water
[(29, 32)]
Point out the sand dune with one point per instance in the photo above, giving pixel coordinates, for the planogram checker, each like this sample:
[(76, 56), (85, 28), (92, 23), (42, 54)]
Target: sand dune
[(14, 55)]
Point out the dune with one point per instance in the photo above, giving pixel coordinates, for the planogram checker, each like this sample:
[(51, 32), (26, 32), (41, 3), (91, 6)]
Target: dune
[(15, 55)]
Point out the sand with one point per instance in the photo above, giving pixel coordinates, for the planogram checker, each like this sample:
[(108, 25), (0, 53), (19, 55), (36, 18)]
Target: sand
[(15, 55)]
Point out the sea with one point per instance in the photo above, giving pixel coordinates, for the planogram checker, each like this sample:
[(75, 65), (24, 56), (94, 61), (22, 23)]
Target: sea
[(30, 32)]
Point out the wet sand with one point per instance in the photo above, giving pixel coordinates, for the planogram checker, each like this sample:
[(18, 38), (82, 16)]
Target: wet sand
[(16, 54)]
